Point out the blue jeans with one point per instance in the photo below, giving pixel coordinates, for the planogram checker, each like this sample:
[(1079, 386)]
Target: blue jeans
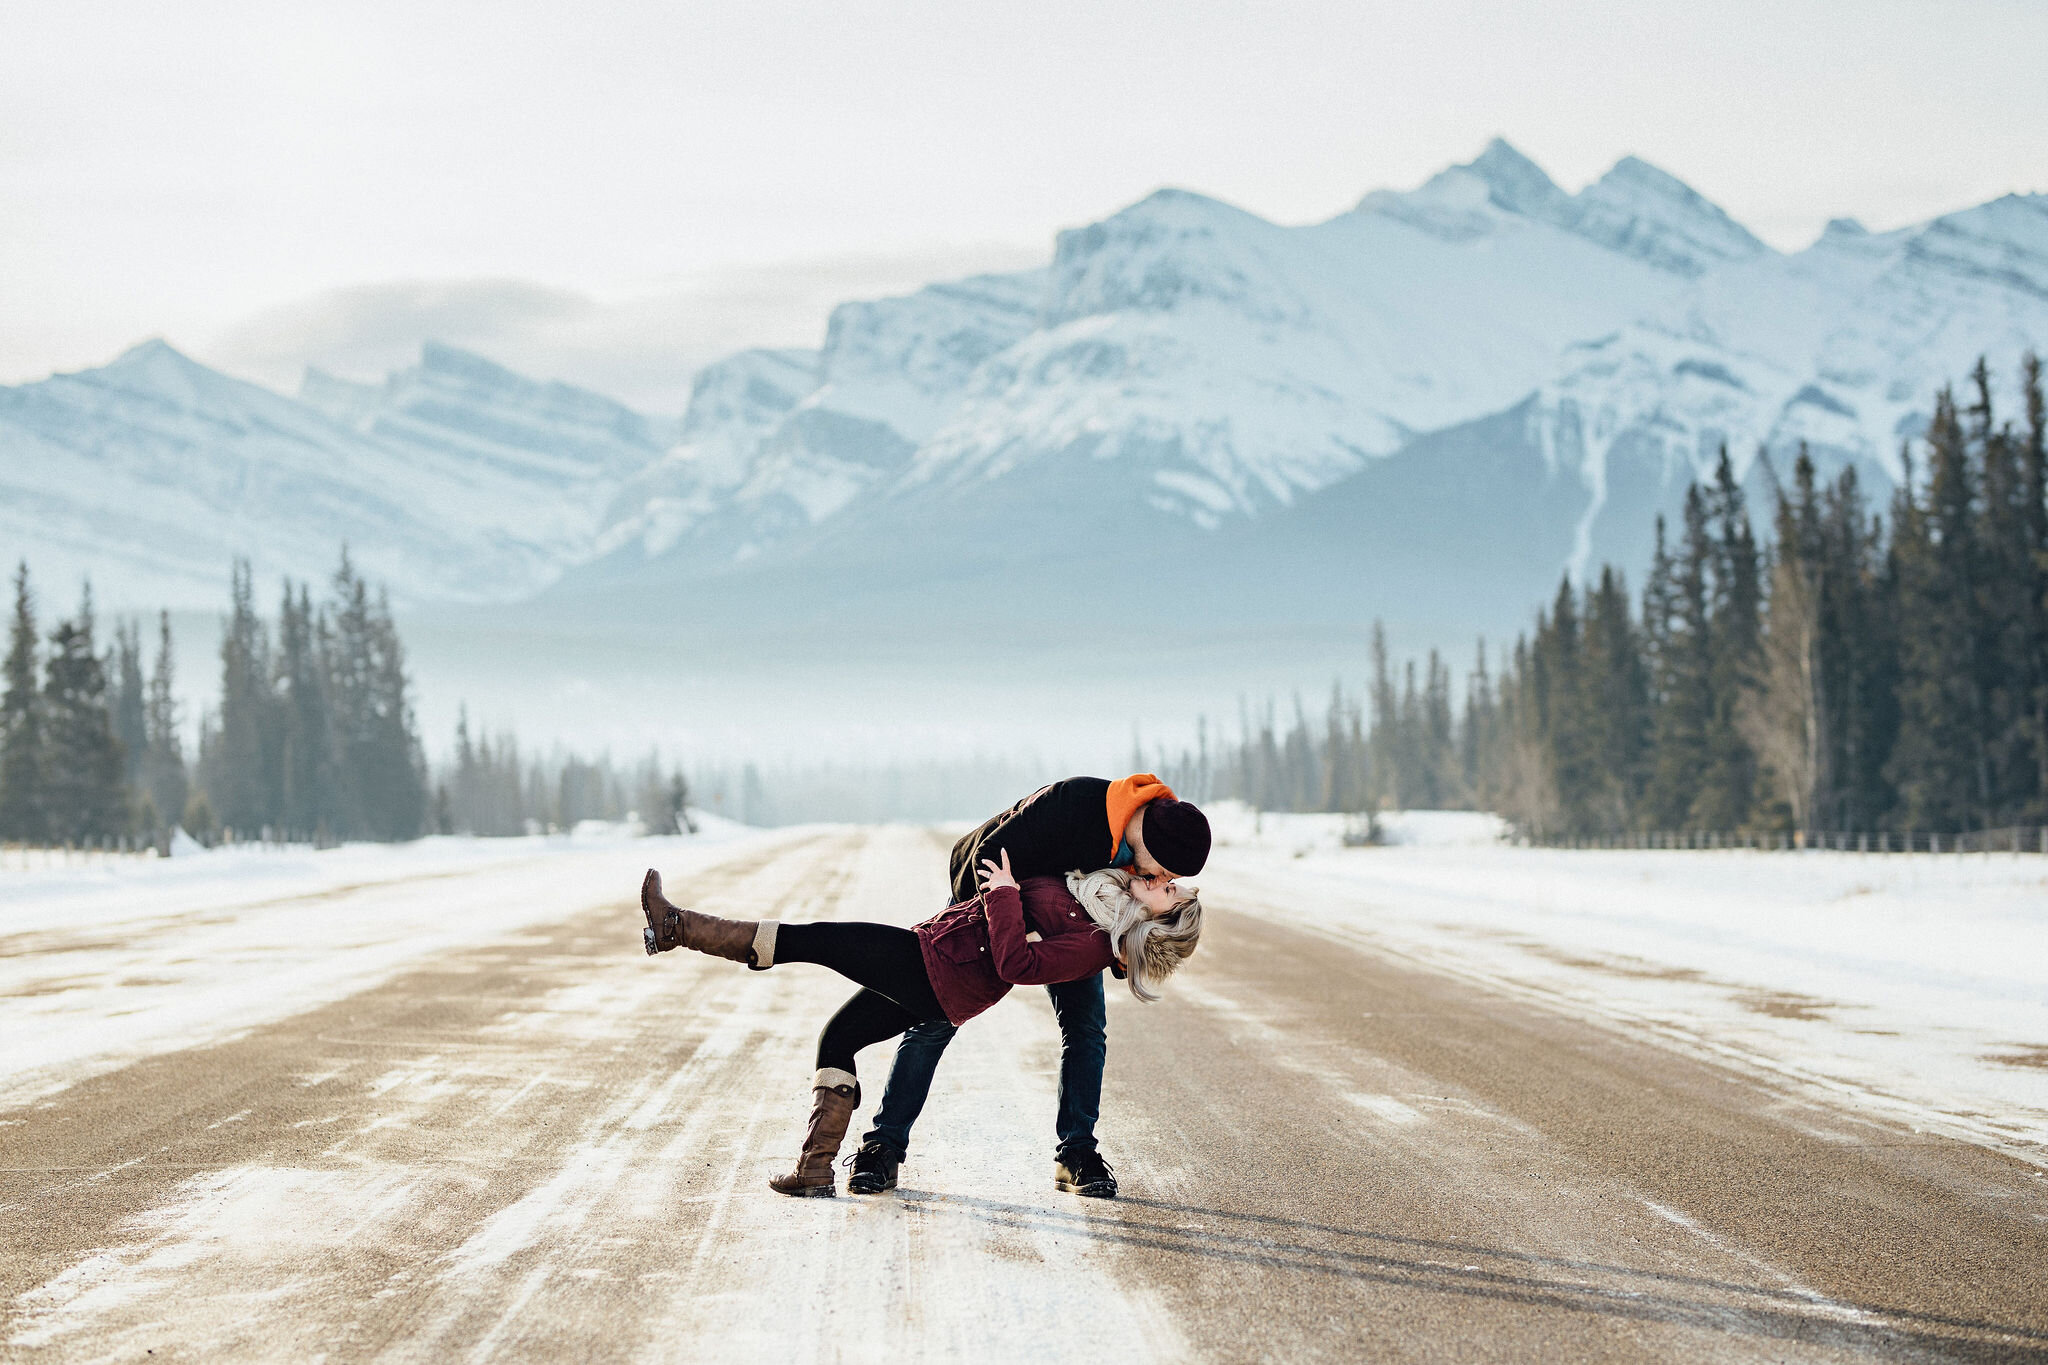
[(1084, 1043)]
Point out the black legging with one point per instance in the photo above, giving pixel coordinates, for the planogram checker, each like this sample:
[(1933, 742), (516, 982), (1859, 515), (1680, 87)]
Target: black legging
[(881, 957)]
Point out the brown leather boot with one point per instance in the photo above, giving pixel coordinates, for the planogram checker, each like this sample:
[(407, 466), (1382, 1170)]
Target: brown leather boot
[(835, 1094), (671, 926)]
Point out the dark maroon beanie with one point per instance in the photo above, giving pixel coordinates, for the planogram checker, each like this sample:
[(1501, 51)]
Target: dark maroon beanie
[(1176, 835)]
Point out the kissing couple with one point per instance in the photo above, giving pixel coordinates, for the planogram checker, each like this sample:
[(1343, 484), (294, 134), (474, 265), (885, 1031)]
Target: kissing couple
[(1079, 877)]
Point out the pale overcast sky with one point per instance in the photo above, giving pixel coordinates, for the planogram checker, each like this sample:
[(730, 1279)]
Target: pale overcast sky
[(614, 192)]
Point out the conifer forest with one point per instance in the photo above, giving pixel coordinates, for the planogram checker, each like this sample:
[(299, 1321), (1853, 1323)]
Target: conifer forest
[(313, 740), (1855, 668)]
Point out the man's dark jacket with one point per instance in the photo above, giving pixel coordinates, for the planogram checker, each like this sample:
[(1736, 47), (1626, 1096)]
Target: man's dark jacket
[(1057, 829)]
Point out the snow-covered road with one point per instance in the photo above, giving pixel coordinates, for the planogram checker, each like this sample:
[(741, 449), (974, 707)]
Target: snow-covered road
[(433, 1103)]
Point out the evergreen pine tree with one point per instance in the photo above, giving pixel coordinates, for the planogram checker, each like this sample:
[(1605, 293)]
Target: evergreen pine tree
[(1339, 768), (1940, 762), (306, 738), (2034, 498), (1614, 705), (1298, 758), (1262, 764), (1683, 681), (351, 689), (84, 797), (1548, 696), (1411, 761), (1859, 658), (1476, 756), (130, 706), (1386, 715), (466, 783), (239, 770), (163, 770), (2009, 598), (1936, 761), (382, 761), (22, 760), (1438, 741)]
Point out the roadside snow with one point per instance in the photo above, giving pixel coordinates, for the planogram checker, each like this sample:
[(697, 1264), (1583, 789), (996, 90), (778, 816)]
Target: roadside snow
[(109, 960), (1912, 984)]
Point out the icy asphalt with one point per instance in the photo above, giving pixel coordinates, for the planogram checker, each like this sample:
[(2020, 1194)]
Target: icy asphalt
[(453, 1113)]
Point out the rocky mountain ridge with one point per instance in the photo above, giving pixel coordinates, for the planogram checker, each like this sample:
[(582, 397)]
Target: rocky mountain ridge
[(455, 480), (1320, 400)]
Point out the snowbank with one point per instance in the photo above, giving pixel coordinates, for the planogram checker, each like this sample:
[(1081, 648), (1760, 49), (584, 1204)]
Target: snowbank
[(1915, 983), (113, 959)]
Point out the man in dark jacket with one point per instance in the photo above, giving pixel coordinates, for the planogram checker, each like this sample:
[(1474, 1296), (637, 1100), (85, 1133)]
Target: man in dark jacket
[(1078, 825)]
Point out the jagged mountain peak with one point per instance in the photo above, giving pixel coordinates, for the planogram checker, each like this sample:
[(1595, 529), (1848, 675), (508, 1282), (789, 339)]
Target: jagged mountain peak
[(162, 378), (1161, 215), (155, 470), (775, 441), (1636, 209), (1172, 200), (1170, 249), (154, 350), (1644, 211), (156, 366), (747, 390), (2003, 243), (460, 399), (1514, 181), (1635, 172), (440, 357), (1465, 201), (443, 365)]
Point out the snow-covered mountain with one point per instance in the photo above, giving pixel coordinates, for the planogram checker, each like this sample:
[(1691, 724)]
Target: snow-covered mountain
[(1220, 370), (476, 410), (454, 480), (1449, 393), (1840, 346), (1187, 353), (777, 442), (1635, 210)]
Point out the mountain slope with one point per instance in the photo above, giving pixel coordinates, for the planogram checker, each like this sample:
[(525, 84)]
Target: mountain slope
[(1246, 364), (1840, 346), (776, 442), (1485, 379), (1185, 353), (1482, 381), (454, 480)]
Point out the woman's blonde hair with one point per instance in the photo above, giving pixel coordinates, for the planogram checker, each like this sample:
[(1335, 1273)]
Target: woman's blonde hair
[(1152, 949)]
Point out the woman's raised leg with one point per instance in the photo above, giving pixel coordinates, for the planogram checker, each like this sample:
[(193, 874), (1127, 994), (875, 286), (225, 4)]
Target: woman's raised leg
[(884, 958), (671, 926), (881, 957)]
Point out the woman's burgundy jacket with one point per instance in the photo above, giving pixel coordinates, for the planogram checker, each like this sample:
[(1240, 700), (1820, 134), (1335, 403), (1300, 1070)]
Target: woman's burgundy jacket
[(975, 951)]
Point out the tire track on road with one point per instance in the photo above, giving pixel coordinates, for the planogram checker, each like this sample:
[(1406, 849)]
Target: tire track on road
[(328, 1164), (1372, 1159)]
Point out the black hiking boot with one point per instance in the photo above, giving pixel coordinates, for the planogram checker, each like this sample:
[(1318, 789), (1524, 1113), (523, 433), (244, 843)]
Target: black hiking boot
[(1085, 1173), (874, 1168)]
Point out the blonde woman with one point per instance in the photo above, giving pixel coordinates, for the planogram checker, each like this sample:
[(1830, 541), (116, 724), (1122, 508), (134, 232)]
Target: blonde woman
[(951, 967)]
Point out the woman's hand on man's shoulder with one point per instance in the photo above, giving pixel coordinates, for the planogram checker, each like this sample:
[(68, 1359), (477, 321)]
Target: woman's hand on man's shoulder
[(994, 876)]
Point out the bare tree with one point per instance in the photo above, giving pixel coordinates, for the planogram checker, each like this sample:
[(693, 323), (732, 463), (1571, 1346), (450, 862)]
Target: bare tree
[(1781, 714)]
